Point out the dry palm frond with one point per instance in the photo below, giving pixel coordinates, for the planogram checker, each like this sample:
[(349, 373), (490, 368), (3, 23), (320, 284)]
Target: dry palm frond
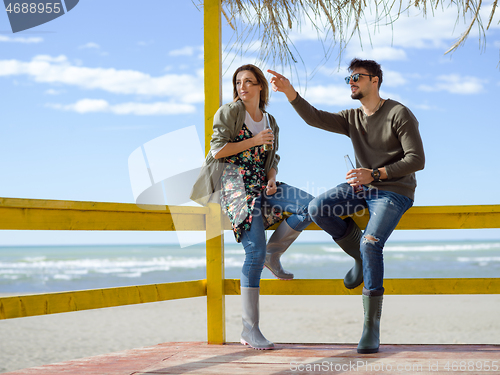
[(336, 21), (475, 20)]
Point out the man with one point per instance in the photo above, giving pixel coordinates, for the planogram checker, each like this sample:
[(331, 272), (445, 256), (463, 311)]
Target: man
[(389, 150)]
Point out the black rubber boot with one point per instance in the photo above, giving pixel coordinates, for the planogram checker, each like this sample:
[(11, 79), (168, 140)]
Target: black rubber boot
[(350, 243), (372, 305)]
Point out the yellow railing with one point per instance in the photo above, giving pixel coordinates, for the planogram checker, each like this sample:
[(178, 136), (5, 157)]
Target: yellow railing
[(33, 214)]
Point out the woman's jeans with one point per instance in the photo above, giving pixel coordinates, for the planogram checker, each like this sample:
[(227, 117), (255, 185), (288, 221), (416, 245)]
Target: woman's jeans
[(287, 199), (386, 209)]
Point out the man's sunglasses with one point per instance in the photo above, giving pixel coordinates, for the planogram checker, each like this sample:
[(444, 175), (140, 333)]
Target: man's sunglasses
[(355, 77)]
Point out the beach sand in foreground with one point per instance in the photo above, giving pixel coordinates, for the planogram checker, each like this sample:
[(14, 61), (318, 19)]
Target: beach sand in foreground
[(460, 319)]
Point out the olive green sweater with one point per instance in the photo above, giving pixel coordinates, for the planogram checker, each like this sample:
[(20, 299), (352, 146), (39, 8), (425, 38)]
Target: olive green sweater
[(389, 138)]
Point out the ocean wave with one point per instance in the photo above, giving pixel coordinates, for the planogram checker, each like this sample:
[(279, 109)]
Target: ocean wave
[(34, 259), (317, 258), (89, 267), (62, 277), (444, 247), (484, 260), (427, 247), (78, 268), (186, 262), (235, 252), (331, 249), (131, 275), (231, 262), (11, 277)]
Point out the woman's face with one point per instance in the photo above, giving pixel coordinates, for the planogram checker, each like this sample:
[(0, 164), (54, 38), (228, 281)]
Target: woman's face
[(247, 87)]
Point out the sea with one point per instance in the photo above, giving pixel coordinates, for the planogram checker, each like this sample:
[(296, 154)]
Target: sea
[(43, 269)]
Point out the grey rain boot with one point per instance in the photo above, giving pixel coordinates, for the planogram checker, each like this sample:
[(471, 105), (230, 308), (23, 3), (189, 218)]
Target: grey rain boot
[(279, 242), (372, 305), (350, 243), (251, 334)]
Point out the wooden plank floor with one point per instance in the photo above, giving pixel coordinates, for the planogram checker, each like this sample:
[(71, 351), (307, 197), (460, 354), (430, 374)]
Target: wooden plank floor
[(234, 359)]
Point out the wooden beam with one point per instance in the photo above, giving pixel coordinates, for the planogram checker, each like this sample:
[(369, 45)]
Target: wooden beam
[(392, 286), (451, 217), (52, 303), (37, 214)]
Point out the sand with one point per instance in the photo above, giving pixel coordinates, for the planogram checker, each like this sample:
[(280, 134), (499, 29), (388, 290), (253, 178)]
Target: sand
[(34, 341)]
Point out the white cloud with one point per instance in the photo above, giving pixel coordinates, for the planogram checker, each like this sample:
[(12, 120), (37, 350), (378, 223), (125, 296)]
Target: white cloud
[(393, 79), (426, 107), (141, 109), (329, 95), (307, 32), (144, 43), (8, 39), (84, 106), (394, 96), (455, 84), (90, 45), (185, 51), (53, 92), (187, 88), (47, 58), (382, 53), (332, 70), (232, 58)]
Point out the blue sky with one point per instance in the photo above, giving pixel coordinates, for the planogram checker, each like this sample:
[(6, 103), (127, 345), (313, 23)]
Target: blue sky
[(79, 94)]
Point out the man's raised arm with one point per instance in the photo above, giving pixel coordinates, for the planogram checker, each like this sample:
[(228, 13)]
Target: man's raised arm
[(282, 84)]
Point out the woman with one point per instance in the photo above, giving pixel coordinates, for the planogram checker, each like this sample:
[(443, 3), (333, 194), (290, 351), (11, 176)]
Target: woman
[(245, 173)]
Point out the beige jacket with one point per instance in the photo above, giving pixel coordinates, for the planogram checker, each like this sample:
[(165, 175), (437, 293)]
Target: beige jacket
[(228, 121)]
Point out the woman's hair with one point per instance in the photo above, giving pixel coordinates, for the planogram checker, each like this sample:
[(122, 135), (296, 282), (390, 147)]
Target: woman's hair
[(261, 80)]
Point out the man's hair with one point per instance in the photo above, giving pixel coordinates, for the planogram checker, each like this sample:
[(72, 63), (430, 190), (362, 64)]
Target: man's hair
[(261, 80), (372, 67)]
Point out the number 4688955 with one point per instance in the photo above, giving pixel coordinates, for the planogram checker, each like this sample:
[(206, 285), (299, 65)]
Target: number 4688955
[(471, 366), (33, 8)]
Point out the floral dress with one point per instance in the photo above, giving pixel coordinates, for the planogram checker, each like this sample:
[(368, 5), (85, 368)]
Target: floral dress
[(243, 181)]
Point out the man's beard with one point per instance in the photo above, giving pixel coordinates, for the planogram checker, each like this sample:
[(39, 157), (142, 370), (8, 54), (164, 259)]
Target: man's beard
[(357, 95)]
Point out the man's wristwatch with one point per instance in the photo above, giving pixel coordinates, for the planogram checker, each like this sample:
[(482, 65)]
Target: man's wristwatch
[(376, 175)]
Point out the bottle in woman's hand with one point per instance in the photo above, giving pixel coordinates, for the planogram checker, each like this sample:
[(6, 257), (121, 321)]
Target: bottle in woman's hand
[(267, 146)]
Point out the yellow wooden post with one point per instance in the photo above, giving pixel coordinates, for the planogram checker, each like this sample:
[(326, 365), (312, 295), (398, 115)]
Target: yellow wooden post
[(216, 318), (216, 324), (213, 65)]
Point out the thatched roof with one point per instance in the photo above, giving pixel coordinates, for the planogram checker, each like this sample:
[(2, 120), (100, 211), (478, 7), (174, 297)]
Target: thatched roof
[(339, 20)]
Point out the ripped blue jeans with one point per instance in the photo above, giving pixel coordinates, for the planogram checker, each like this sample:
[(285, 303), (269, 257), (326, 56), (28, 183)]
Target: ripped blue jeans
[(386, 209)]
